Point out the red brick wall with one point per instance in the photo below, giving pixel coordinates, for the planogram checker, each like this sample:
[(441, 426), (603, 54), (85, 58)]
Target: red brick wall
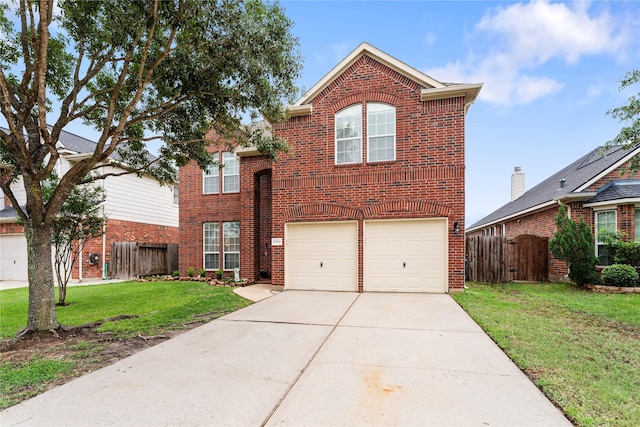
[(123, 231), (425, 180)]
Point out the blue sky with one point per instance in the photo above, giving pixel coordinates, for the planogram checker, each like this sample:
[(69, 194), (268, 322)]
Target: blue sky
[(550, 70)]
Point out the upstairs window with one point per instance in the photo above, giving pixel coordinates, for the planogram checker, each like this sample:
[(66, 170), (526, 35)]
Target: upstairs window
[(211, 180), (230, 173), (176, 195), (605, 224), (349, 135), (381, 132)]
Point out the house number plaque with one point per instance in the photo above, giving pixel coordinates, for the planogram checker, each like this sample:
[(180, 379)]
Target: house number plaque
[(276, 241)]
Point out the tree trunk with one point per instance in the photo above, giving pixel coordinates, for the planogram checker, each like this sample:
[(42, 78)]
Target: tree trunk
[(42, 303)]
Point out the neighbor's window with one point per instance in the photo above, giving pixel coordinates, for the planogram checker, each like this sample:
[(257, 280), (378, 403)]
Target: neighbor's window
[(211, 240), (230, 173), (211, 181), (349, 135), (605, 223), (231, 243), (381, 132), (176, 195)]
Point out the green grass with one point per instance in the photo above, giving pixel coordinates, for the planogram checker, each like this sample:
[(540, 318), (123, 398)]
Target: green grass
[(156, 304), (581, 348), (21, 381)]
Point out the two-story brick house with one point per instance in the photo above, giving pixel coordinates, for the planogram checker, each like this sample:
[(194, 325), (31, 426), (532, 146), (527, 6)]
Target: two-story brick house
[(371, 197)]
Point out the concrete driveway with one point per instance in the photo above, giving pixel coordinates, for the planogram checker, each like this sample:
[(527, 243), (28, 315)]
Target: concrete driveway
[(309, 358)]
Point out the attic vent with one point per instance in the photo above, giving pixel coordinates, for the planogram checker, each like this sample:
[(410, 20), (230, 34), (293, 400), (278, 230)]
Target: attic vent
[(562, 183)]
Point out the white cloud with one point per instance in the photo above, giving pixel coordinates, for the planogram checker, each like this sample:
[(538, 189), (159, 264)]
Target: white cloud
[(515, 41)]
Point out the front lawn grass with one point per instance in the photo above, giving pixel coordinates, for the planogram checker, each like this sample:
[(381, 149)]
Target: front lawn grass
[(155, 305), (146, 310), (581, 348)]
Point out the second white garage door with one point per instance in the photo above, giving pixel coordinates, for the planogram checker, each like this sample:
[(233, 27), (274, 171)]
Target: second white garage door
[(322, 256), (406, 255)]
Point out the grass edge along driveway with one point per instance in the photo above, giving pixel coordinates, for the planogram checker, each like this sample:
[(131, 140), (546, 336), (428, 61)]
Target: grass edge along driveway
[(581, 348), (149, 312)]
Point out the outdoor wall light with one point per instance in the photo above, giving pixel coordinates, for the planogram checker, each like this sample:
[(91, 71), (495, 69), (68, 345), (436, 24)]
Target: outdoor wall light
[(456, 227)]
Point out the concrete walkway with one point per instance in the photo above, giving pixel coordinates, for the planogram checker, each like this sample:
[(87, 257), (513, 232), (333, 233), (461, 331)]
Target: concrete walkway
[(308, 358)]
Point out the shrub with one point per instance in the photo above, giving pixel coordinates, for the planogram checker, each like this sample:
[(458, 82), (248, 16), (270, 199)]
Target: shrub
[(573, 243), (176, 273), (219, 273), (620, 275), (203, 272), (191, 271)]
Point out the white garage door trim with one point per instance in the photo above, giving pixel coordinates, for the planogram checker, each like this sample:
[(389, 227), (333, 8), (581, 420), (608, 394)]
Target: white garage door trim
[(13, 257), (406, 255), (321, 255)]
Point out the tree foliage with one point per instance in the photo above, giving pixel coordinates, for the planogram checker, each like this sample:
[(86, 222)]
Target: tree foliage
[(629, 135), (161, 70), (573, 244)]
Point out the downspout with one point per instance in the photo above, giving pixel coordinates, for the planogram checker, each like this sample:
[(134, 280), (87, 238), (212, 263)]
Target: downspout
[(105, 272), (105, 268)]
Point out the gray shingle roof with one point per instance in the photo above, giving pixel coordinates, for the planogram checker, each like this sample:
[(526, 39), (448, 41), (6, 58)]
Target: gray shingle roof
[(575, 175), (616, 190)]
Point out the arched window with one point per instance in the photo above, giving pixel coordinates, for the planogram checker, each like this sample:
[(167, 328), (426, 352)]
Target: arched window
[(349, 135)]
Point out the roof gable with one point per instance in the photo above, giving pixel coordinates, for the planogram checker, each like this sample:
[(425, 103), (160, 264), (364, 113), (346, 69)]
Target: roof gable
[(578, 177), (431, 88)]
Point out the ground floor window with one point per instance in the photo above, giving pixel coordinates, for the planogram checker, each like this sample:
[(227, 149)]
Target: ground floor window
[(605, 224), (228, 246), (636, 225), (231, 250), (211, 239)]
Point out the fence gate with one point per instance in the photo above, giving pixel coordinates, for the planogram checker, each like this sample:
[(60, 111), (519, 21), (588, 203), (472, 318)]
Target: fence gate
[(528, 258), (497, 259), (130, 260)]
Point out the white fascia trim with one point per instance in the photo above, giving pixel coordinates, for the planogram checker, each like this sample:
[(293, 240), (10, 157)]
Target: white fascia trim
[(515, 215), (613, 203), (377, 54), (468, 91), (608, 170)]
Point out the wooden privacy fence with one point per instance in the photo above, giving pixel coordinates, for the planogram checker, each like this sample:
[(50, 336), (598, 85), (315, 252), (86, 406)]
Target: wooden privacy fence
[(503, 259), (130, 260)]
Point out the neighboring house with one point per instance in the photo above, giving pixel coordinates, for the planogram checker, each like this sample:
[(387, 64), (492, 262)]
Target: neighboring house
[(371, 197), (138, 209), (593, 187)]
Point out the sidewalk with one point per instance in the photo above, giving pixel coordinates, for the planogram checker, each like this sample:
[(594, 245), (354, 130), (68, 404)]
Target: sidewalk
[(13, 284)]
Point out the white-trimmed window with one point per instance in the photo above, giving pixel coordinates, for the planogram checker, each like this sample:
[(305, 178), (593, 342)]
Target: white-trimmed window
[(211, 178), (349, 135), (231, 244), (381, 132), (636, 225), (211, 240), (605, 223), (230, 173)]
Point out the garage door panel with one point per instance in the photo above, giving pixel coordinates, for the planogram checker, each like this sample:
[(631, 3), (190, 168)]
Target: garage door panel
[(322, 256), (13, 257), (405, 255)]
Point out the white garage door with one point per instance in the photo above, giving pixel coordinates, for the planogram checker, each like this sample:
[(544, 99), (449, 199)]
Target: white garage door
[(13, 257), (406, 255), (322, 256)]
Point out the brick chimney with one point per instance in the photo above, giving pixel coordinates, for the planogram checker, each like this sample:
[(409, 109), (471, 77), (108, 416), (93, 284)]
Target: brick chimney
[(517, 183)]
